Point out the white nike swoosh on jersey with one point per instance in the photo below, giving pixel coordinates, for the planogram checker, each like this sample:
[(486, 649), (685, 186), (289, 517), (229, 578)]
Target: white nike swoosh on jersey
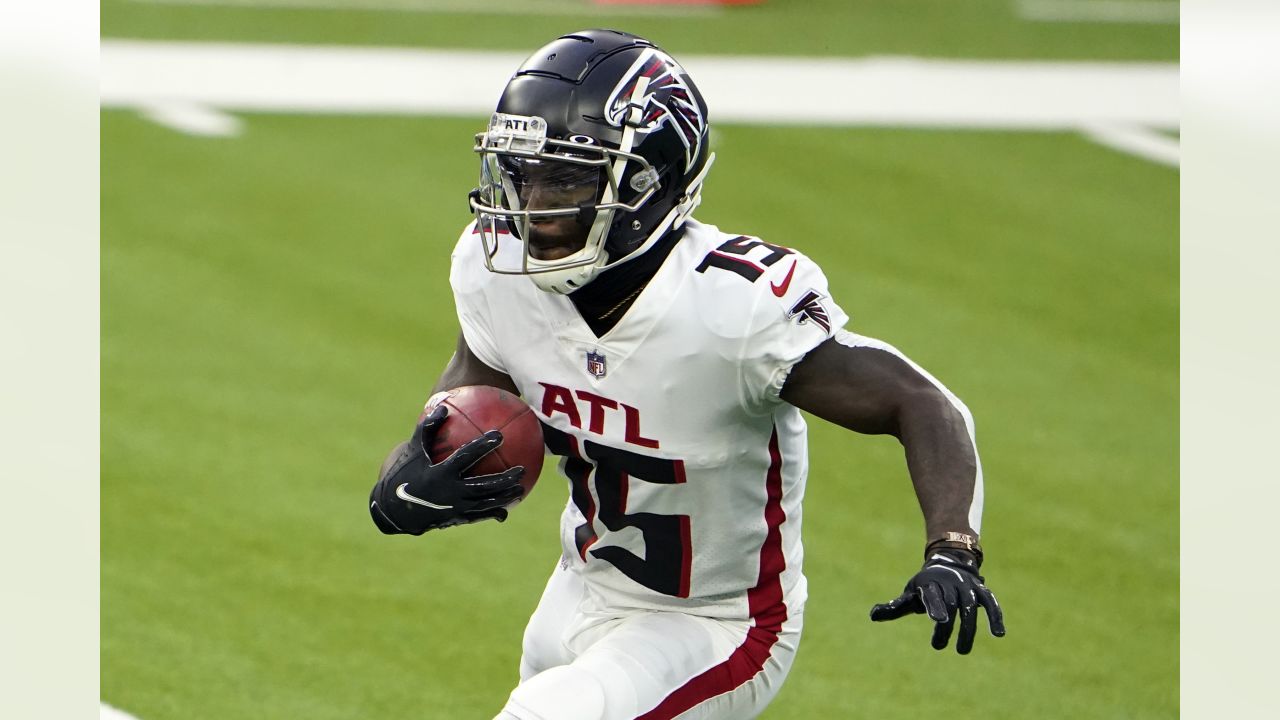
[(404, 495)]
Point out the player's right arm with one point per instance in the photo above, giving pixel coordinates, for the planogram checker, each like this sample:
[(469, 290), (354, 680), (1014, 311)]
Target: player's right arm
[(465, 368), (413, 495)]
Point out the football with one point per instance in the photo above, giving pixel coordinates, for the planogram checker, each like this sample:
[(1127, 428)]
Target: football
[(476, 409)]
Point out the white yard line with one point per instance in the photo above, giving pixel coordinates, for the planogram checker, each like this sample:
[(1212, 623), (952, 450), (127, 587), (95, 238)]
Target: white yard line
[(917, 92), (193, 86), (110, 713), (884, 91), (1159, 12), (1142, 142), (519, 7), (192, 118)]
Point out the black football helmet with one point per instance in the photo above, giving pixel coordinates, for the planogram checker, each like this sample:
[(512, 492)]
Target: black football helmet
[(614, 130)]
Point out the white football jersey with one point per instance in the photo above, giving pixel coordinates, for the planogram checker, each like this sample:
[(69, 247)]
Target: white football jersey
[(686, 471)]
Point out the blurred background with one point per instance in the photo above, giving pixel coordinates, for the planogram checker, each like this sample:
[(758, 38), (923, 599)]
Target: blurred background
[(990, 185)]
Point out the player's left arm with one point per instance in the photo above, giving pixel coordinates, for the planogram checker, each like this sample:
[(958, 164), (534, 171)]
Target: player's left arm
[(869, 387)]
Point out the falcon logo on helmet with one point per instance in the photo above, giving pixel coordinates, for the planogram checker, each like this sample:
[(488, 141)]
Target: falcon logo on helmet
[(666, 99)]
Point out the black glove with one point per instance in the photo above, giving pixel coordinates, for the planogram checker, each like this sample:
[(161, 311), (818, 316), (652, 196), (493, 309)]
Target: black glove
[(413, 496), (947, 585)]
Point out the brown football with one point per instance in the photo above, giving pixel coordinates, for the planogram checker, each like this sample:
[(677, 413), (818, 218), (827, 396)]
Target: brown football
[(476, 409)]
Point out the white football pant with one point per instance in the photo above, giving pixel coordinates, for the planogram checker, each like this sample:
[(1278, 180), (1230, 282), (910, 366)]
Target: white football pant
[(579, 664)]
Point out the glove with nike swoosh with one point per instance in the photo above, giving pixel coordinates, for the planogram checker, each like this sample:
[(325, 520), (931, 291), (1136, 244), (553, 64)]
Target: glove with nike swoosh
[(413, 496), (946, 587)]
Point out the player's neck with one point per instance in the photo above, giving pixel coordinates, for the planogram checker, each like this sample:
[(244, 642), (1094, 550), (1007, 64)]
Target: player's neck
[(604, 300)]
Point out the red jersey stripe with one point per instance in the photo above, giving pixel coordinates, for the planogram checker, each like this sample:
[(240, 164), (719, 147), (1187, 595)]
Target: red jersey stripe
[(765, 604)]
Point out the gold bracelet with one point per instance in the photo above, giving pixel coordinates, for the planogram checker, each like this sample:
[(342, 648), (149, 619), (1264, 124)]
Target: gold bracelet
[(956, 540)]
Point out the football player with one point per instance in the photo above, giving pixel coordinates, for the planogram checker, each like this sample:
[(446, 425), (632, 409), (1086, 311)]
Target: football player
[(668, 362)]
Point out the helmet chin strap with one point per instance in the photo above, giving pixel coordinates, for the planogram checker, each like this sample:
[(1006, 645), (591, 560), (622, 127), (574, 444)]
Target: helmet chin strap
[(675, 218)]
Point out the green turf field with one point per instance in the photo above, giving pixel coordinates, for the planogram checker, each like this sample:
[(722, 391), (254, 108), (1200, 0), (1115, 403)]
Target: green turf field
[(940, 28), (275, 309)]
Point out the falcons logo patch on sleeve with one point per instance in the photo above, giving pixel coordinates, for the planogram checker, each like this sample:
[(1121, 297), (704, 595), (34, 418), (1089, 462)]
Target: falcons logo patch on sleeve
[(809, 307)]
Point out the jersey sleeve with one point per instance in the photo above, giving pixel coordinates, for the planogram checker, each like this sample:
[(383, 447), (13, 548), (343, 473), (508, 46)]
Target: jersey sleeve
[(468, 277), (793, 313)]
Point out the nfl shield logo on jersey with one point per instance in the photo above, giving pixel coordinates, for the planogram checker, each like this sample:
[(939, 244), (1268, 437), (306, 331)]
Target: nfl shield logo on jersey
[(595, 363)]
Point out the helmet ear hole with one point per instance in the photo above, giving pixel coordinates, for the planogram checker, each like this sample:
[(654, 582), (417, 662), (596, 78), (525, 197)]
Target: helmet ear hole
[(644, 179)]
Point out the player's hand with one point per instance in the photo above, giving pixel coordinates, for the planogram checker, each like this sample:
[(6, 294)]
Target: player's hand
[(413, 496), (947, 586)]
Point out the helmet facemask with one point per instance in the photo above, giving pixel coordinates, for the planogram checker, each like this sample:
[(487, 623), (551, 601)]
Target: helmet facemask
[(527, 180), (610, 101)]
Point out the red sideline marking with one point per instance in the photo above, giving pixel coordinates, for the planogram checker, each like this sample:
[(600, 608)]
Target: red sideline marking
[(766, 606), (679, 2)]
